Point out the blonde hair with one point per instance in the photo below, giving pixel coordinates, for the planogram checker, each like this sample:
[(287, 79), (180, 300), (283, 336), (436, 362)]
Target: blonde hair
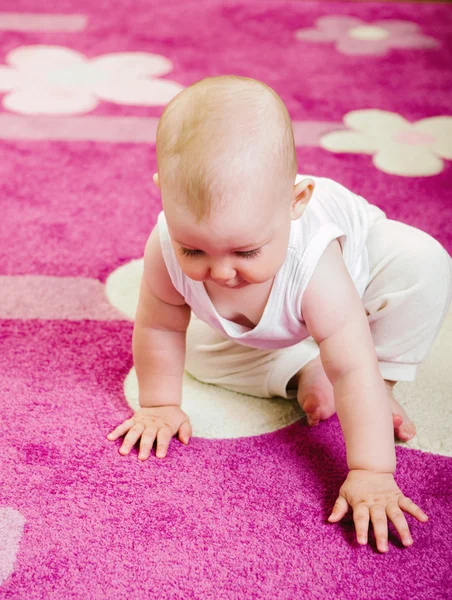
[(219, 134)]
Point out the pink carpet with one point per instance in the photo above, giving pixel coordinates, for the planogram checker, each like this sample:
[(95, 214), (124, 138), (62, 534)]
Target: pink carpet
[(227, 518)]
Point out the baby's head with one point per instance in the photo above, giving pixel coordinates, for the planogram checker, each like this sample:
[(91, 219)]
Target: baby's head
[(226, 170)]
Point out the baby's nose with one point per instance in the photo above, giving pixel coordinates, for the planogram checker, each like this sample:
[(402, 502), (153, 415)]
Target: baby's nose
[(222, 271)]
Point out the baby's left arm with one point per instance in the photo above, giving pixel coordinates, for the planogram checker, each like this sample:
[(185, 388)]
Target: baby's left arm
[(336, 319)]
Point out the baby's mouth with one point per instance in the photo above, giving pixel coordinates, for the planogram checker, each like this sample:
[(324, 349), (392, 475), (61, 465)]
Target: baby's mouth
[(240, 284), (227, 284)]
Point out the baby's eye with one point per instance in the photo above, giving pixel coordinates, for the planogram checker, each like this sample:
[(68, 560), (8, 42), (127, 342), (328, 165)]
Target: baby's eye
[(187, 252), (250, 253)]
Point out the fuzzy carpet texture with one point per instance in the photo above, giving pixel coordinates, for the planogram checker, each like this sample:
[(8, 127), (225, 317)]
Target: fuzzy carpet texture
[(240, 513)]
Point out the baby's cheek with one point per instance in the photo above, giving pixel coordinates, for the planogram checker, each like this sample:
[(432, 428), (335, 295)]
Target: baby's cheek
[(194, 271), (271, 265), (259, 273)]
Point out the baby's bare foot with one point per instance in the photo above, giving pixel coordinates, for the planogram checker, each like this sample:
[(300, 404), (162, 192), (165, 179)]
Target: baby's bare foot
[(404, 427), (315, 392), (315, 396)]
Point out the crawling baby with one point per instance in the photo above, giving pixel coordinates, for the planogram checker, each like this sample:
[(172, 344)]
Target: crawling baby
[(293, 286)]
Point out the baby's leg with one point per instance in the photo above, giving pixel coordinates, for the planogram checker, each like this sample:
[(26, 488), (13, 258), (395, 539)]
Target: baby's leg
[(406, 300), (315, 396), (212, 358), (291, 372), (403, 426), (314, 392)]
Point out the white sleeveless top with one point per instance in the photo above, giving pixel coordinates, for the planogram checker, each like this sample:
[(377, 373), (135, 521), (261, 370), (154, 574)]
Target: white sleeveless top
[(332, 213)]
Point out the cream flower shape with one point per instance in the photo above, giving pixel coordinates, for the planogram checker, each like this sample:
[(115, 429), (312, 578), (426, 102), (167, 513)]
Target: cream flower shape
[(213, 410), (57, 80), (398, 146), (353, 36), (12, 524)]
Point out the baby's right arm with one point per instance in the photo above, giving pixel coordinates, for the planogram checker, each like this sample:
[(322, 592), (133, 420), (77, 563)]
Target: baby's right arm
[(159, 355), (159, 333)]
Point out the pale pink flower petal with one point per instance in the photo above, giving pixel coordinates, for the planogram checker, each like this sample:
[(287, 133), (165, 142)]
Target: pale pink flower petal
[(337, 24), (355, 47), (11, 531), (443, 147), (441, 129), (9, 79), (355, 37), (407, 161), (46, 101), (412, 137), (140, 92), (376, 122), (35, 59), (348, 141), (58, 80), (414, 40), (398, 26), (399, 147), (131, 64)]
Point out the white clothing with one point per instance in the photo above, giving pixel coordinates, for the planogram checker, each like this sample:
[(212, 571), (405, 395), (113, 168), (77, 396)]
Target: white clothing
[(402, 274), (406, 301), (333, 212)]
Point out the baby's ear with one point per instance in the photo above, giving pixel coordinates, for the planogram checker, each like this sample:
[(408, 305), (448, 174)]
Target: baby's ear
[(302, 193), (155, 179)]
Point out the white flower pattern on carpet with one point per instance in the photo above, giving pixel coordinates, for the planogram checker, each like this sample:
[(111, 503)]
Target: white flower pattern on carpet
[(213, 410), (398, 146), (12, 524), (58, 80), (356, 37)]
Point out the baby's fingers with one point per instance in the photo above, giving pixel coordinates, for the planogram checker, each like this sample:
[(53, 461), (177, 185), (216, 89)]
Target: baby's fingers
[(131, 438), (339, 510), (396, 516), (361, 521), (164, 436), (147, 441), (380, 525), (412, 509), (120, 430), (185, 432)]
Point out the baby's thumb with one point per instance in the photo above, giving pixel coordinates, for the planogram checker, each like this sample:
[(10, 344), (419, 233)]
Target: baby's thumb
[(185, 432), (339, 510)]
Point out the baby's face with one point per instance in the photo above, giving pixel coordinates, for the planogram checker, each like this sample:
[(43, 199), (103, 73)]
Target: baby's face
[(237, 246)]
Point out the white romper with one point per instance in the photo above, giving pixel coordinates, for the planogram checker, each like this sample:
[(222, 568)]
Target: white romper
[(383, 260)]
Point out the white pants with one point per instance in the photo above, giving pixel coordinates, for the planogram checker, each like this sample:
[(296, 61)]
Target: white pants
[(406, 300)]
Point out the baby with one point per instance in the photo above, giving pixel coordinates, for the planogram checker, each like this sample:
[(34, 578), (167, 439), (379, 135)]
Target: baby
[(294, 286)]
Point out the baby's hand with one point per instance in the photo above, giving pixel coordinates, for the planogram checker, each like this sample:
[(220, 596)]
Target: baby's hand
[(161, 422), (378, 495)]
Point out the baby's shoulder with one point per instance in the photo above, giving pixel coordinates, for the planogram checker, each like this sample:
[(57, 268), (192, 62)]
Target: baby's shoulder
[(155, 273)]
